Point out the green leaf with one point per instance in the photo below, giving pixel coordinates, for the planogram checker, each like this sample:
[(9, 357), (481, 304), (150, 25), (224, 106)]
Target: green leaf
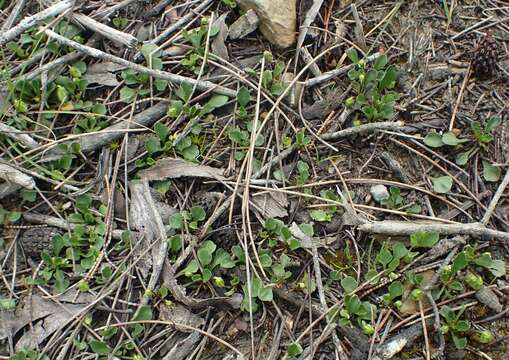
[(396, 289), (490, 173), (184, 91), (497, 268), (295, 349), (191, 268), (216, 101), (319, 215), (243, 96), (127, 94), (484, 260), (442, 184), (161, 130), (198, 214), (463, 157), (380, 62), (143, 313), (460, 262), (99, 347), (307, 229), (389, 79), (459, 342), (450, 139), (349, 284), (384, 257), (352, 55), (205, 252), (424, 239), (61, 282), (462, 326), (191, 153), (492, 123), (265, 294), (153, 145), (58, 244)]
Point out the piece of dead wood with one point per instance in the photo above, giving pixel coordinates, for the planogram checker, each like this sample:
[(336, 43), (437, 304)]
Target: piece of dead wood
[(360, 38), (170, 168), (12, 175), (244, 25), (30, 21), (47, 316), (108, 32), (271, 204), (103, 73), (15, 134), (401, 228), (13, 16), (363, 129), (395, 344), (218, 45)]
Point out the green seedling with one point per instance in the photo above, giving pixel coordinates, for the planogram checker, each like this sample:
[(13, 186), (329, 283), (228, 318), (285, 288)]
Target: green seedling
[(258, 292), (455, 326), (274, 230), (480, 137), (396, 201), (373, 87), (197, 39)]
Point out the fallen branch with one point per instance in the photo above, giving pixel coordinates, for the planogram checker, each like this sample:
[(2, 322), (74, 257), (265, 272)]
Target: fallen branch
[(158, 74), (11, 20), (36, 19), (12, 175), (392, 227), (15, 134), (114, 35), (366, 128)]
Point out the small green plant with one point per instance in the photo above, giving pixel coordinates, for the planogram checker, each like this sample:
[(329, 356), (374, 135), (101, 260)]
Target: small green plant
[(276, 230), (355, 310), (140, 84), (396, 201), (120, 22), (76, 251), (197, 38), (9, 216), (373, 87), (480, 137), (232, 4), (455, 326), (258, 292), (209, 257)]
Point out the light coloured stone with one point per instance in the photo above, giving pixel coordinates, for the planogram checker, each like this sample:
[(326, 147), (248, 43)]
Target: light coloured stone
[(278, 19), (379, 192), (244, 25)]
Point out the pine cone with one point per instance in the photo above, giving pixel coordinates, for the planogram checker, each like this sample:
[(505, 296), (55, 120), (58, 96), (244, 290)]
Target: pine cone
[(485, 57)]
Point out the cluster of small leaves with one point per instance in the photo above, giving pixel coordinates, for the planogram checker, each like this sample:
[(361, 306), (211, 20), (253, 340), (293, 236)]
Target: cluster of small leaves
[(76, 251), (480, 137), (197, 38), (29, 355), (7, 216), (455, 326), (469, 256), (373, 86), (276, 230), (140, 84), (272, 76), (361, 312), (326, 214)]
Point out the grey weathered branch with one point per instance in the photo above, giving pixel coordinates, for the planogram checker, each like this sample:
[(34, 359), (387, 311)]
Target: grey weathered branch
[(30, 21), (363, 129), (13, 16), (12, 175), (174, 78), (106, 31), (392, 227), (15, 134)]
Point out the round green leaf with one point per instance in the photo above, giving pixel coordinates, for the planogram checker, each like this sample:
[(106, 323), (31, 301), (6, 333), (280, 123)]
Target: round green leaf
[(434, 140), (442, 184), (490, 173), (349, 284)]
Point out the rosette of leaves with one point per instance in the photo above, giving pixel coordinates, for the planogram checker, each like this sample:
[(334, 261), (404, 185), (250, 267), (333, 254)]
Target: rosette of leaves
[(373, 86), (197, 38)]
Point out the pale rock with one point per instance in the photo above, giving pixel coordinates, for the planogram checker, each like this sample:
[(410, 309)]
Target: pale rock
[(379, 192), (278, 19), (244, 25)]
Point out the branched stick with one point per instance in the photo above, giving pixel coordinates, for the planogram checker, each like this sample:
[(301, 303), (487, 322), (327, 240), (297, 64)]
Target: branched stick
[(33, 20), (174, 78), (106, 31), (367, 128)]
